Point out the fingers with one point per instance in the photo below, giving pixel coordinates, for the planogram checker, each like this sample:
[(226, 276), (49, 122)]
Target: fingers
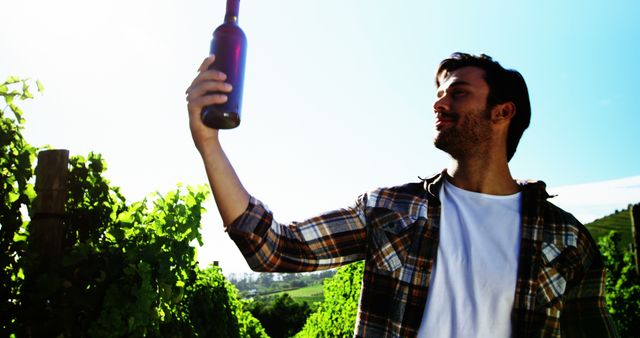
[(204, 88), (196, 104), (206, 93), (207, 75), (207, 62), (208, 87)]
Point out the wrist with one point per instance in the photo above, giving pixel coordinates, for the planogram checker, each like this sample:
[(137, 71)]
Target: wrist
[(209, 147)]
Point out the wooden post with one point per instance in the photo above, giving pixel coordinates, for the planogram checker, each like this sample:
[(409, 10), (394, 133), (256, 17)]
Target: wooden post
[(47, 227), (46, 237), (635, 233)]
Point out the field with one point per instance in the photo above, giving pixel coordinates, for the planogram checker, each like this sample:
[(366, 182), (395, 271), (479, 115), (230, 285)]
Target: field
[(619, 221), (309, 294)]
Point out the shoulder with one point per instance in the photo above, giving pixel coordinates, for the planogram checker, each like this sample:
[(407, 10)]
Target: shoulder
[(538, 208), (558, 223), (386, 196), (564, 230), (422, 191), (407, 201), (560, 232)]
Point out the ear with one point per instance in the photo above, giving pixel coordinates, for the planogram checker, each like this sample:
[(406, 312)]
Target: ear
[(503, 112)]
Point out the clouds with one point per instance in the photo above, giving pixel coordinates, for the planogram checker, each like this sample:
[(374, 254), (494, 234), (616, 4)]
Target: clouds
[(591, 201)]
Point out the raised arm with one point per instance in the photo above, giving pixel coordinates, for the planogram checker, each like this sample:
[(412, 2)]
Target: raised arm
[(231, 197), (326, 241)]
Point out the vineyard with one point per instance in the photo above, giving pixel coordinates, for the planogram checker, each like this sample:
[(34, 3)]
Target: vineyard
[(79, 260)]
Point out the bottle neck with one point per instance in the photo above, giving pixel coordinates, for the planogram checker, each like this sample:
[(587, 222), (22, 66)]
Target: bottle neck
[(233, 8)]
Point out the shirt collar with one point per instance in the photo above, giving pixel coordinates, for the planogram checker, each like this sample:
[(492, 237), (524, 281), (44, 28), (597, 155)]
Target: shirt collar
[(432, 184), (533, 188)]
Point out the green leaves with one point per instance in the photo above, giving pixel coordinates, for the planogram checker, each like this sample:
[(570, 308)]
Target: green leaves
[(282, 317), (139, 256), (15, 87), (12, 79), (335, 317), (40, 86), (16, 189), (622, 285), (126, 269), (135, 260)]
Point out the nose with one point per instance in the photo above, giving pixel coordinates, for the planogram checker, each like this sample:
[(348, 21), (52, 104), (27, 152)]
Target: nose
[(441, 104)]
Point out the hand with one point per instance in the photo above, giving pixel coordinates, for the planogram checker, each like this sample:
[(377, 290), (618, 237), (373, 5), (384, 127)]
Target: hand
[(199, 95)]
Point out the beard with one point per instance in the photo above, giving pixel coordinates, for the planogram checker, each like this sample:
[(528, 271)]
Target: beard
[(465, 137)]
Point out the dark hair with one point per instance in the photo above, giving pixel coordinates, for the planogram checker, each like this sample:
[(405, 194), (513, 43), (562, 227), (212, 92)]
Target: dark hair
[(505, 85)]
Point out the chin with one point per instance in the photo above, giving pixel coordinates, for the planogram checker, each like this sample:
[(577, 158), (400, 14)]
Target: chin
[(447, 144), (440, 144), (441, 140)]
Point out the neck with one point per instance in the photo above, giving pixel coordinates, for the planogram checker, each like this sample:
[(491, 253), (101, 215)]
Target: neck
[(484, 173)]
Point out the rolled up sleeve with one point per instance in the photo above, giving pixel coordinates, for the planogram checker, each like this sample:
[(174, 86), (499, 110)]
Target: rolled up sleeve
[(329, 240)]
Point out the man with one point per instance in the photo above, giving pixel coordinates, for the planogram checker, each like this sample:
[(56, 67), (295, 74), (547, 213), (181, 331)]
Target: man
[(468, 252)]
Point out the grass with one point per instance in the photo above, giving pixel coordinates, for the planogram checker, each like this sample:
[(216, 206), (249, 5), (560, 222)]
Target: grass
[(619, 221), (310, 294)]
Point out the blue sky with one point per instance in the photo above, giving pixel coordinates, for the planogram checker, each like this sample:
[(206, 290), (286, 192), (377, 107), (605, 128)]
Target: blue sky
[(338, 94)]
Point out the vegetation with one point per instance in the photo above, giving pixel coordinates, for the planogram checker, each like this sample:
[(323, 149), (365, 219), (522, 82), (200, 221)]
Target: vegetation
[(619, 221), (336, 316), (310, 294), (16, 158), (267, 284), (125, 269), (282, 302), (129, 269), (613, 234), (623, 285), (282, 317)]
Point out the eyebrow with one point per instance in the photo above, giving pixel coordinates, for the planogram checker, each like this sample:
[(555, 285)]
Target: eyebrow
[(454, 84), (459, 83)]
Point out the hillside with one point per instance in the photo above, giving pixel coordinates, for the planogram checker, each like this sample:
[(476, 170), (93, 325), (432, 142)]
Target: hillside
[(619, 221), (310, 294)]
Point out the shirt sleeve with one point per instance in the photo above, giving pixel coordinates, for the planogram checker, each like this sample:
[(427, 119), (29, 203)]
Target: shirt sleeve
[(329, 240), (585, 312)]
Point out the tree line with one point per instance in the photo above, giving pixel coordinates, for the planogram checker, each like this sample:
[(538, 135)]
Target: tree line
[(252, 284)]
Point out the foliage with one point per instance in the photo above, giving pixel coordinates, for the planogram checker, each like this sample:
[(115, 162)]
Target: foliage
[(312, 294), (300, 286), (619, 221), (622, 285), (216, 310), (125, 269), (16, 158), (336, 316), (265, 279), (281, 318)]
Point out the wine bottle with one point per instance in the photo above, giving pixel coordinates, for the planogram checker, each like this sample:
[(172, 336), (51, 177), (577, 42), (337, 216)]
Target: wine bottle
[(229, 44)]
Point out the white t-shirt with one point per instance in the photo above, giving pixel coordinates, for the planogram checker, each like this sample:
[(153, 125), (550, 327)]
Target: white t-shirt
[(474, 278)]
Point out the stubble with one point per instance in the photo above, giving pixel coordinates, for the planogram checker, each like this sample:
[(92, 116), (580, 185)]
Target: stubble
[(472, 130)]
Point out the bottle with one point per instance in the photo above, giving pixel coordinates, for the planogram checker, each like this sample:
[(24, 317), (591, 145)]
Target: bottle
[(229, 44)]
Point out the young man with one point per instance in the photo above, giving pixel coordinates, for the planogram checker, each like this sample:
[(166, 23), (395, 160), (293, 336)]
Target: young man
[(468, 252)]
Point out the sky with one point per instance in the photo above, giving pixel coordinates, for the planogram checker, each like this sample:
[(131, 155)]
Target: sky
[(338, 94)]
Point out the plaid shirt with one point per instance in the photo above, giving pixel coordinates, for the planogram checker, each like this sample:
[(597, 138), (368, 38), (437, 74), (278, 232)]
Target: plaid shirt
[(560, 286)]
